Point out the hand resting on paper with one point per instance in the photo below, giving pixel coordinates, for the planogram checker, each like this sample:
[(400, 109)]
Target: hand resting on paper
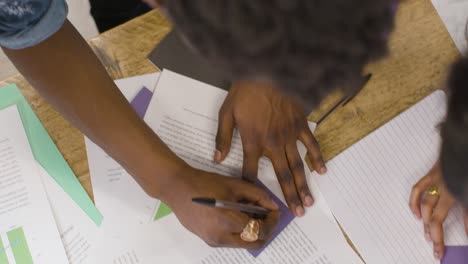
[(221, 227), (270, 123), (433, 210), (95, 105)]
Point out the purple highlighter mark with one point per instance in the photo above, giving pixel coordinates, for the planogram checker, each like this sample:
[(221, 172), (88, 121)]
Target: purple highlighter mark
[(455, 255), (141, 101), (285, 218)]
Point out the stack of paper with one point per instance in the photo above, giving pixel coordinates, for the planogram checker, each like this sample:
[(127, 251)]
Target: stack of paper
[(47, 217), (177, 115), (45, 214), (28, 233)]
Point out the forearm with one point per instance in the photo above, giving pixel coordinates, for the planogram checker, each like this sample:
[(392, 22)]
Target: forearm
[(67, 73)]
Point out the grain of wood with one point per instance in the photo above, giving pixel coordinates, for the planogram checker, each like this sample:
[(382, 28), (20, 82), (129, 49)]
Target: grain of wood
[(421, 51)]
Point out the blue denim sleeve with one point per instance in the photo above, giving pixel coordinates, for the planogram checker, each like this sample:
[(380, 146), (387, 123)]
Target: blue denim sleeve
[(25, 23)]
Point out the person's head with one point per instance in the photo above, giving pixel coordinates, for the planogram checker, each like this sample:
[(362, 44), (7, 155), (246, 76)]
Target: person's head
[(454, 151), (304, 47)]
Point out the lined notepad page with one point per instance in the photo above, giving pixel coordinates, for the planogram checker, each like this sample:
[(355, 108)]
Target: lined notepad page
[(368, 187)]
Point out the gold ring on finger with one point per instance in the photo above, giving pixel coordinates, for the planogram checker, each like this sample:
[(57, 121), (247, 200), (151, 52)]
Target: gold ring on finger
[(251, 231), (433, 191)]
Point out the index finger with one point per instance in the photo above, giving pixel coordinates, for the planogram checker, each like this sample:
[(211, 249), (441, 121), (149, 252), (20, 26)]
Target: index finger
[(416, 193)]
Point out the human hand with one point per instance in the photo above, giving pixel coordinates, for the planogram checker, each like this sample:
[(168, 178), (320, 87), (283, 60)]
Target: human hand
[(433, 209), (270, 123), (221, 227)]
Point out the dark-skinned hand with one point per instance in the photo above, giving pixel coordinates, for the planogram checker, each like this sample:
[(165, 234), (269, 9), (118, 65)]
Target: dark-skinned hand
[(270, 123), (221, 227)]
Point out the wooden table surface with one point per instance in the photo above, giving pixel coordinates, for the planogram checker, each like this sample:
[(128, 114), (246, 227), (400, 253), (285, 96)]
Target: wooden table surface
[(421, 51)]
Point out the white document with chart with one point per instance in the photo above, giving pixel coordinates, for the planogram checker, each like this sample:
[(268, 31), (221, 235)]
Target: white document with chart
[(28, 232)]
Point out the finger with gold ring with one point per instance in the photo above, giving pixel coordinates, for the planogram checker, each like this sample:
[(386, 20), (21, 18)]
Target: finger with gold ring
[(251, 231), (433, 191)]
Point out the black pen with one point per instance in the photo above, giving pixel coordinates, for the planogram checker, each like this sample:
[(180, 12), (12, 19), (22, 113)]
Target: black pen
[(344, 100), (245, 208)]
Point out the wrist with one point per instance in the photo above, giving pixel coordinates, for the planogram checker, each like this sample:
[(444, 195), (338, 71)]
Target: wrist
[(173, 184)]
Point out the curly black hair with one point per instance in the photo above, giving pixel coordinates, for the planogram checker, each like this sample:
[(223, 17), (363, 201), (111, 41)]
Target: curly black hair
[(454, 151), (306, 47)]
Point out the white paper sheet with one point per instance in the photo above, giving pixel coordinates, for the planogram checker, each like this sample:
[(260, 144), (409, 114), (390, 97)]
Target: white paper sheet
[(77, 231), (27, 228), (183, 113), (368, 187), (117, 195)]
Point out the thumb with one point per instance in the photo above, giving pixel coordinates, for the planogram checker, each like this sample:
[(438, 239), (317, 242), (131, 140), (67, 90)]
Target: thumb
[(223, 136)]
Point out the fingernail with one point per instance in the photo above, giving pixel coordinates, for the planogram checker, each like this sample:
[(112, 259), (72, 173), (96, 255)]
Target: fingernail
[(308, 201), (436, 255), (299, 211), (323, 170), (217, 156)]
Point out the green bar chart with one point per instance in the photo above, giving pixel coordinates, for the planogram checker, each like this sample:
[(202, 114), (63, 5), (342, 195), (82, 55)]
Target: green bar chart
[(3, 256), (19, 246), (163, 211)]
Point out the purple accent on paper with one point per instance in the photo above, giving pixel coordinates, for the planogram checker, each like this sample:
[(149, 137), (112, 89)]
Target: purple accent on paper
[(455, 255), (141, 101), (285, 218)]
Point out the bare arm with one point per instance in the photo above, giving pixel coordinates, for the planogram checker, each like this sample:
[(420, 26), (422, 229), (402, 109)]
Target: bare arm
[(67, 73)]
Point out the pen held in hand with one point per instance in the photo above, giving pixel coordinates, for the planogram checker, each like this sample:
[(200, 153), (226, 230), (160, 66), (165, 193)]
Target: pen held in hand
[(245, 208)]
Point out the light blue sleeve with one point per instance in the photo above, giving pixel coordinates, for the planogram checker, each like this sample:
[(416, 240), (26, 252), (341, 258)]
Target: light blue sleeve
[(25, 23)]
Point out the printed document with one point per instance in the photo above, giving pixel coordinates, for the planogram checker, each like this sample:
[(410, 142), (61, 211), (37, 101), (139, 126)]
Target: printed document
[(76, 229), (183, 112), (110, 180), (28, 232)]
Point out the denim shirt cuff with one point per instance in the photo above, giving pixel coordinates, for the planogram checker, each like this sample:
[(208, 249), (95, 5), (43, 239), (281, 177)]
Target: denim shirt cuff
[(48, 25)]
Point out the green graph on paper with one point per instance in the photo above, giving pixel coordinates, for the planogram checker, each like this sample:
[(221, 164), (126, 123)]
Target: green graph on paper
[(163, 211), (18, 246), (3, 256)]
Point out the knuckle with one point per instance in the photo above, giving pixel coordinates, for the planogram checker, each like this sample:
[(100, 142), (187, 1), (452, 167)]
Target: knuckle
[(315, 145), (285, 177), (293, 199), (274, 138), (298, 165), (426, 204), (250, 177), (436, 220), (264, 196)]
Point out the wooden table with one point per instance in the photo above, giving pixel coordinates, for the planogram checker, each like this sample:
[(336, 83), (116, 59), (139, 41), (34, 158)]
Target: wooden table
[(421, 51)]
